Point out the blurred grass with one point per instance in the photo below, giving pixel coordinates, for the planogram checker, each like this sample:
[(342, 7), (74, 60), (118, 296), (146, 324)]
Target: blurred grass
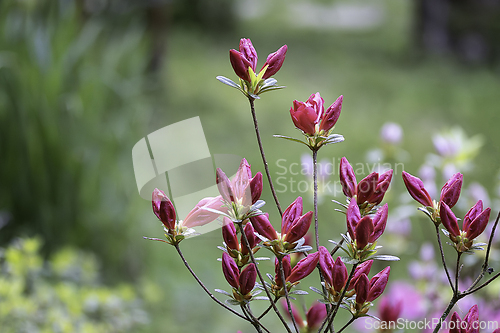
[(75, 98)]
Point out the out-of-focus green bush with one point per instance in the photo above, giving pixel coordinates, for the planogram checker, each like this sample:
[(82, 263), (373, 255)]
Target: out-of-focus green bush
[(62, 295)]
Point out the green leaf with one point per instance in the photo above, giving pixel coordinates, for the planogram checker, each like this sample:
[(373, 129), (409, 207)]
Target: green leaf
[(298, 292), (261, 298), (228, 82), (289, 138), (316, 290), (349, 261), (220, 291), (269, 83), (385, 257)]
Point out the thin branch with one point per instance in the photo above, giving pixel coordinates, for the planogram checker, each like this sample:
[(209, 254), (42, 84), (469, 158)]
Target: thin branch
[(335, 249), (255, 322), (468, 292), (446, 312), (347, 324), (252, 258), (266, 167), (315, 176), (289, 305), (267, 310), (457, 273), (443, 259), (203, 286)]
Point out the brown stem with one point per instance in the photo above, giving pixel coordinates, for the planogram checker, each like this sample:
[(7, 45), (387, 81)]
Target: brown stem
[(443, 259), (289, 305), (315, 176), (347, 324), (266, 167)]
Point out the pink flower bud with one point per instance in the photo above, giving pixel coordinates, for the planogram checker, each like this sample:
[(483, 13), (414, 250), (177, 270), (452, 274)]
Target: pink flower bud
[(451, 190), (199, 216), (163, 209), (416, 189), (472, 320), (478, 225), (326, 264), (363, 268), (224, 185), (263, 226), (291, 214), (315, 316), (274, 62), (363, 232), (456, 324), (299, 228), (353, 216), (256, 187), (240, 64), (366, 187), (362, 288), (331, 115), (304, 117), (287, 269), (248, 51), (339, 275), (229, 235), (378, 284), (347, 178), (449, 220), (296, 315), (247, 279), (389, 312), (383, 185), (303, 268), (230, 270), (472, 214), (379, 222), (252, 239)]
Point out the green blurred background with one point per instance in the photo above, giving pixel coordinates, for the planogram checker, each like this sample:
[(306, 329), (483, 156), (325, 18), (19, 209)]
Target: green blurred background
[(82, 81)]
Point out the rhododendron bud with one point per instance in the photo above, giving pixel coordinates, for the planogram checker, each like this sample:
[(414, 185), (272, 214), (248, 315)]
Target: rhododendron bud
[(274, 62), (347, 178), (224, 185), (366, 187), (339, 275), (303, 268), (472, 214), (416, 189), (248, 51), (326, 264), (379, 223), (229, 235), (230, 270), (199, 216), (256, 187), (287, 269), (331, 115), (263, 226), (291, 214), (315, 316), (296, 315), (363, 268), (378, 284), (240, 64), (299, 228), (304, 116), (247, 279), (353, 216), (363, 232), (451, 190), (389, 311), (384, 181), (252, 239), (362, 288), (470, 323), (163, 209), (477, 226), (449, 220)]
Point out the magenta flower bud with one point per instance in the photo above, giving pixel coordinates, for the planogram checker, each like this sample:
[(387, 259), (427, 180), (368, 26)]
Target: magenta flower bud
[(287, 269), (353, 216), (256, 187), (331, 115), (263, 227), (389, 312), (248, 51), (296, 315), (347, 178), (362, 288), (339, 275), (383, 185), (363, 232), (378, 284), (224, 185), (163, 209), (315, 316), (451, 190), (247, 279), (449, 220), (274, 62), (366, 187), (472, 320), (472, 214), (304, 117), (299, 228), (240, 64), (478, 225), (291, 214), (456, 324), (326, 264), (230, 270), (229, 235), (363, 268), (199, 216), (252, 239), (417, 190), (379, 222), (303, 268)]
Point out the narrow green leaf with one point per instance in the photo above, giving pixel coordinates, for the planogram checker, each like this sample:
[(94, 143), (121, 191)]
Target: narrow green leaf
[(289, 138), (228, 82), (385, 257), (220, 291)]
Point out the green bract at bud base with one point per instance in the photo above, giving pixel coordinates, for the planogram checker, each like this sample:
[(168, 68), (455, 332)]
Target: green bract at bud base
[(253, 89)]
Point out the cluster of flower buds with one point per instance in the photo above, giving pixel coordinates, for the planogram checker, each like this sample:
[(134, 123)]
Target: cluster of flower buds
[(334, 273), (369, 290), (314, 316), (369, 192), (470, 323), (244, 62), (292, 275), (294, 226), (240, 193), (201, 214), (239, 251), (474, 222), (242, 281)]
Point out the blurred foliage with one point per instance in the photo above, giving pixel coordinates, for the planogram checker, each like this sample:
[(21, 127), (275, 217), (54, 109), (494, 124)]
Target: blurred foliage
[(62, 295)]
